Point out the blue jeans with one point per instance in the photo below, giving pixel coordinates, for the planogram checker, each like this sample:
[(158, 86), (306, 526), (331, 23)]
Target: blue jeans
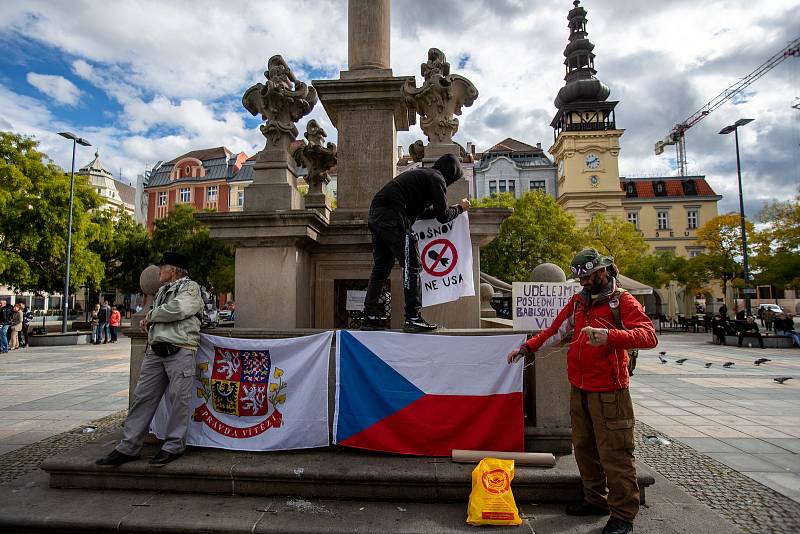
[(790, 333), (4, 337), (101, 332)]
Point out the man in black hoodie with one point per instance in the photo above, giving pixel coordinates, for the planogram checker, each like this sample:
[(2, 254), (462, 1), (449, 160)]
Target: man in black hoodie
[(416, 194)]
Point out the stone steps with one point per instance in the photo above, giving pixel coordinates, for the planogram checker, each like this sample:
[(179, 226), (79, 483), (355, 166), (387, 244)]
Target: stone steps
[(332, 473)]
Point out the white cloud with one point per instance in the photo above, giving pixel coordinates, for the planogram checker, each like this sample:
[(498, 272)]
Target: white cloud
[(178, 77), (57, 87)]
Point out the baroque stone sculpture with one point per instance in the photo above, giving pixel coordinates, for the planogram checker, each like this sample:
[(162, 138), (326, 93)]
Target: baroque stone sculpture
[(316, 156), (416, 150), (282, 102), (441, 96)]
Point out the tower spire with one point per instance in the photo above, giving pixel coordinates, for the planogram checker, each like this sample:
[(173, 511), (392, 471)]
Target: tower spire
[(582, 84)]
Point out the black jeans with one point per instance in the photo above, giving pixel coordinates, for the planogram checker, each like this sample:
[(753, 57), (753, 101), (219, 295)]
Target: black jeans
[(743, 335), (390, 238)]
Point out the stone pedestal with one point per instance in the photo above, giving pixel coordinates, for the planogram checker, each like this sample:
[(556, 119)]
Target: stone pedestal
[(273, 267), (274, 184)]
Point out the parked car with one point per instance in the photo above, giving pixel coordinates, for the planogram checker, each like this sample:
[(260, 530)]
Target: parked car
[(224, 315), (774, 307)]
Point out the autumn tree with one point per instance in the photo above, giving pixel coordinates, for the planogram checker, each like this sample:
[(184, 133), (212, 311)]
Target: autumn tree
[(617, 238), (722, 237), (538, 231)]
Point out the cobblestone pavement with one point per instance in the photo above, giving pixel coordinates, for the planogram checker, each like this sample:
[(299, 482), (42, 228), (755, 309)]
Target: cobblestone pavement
[(27, 458), (748, 504)]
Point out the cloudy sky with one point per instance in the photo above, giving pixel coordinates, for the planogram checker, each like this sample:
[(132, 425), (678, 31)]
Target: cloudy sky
[(149, 80)]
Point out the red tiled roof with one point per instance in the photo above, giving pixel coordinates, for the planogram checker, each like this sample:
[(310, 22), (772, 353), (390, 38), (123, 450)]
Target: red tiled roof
[(204, 154), (512, 145), (645, 188)]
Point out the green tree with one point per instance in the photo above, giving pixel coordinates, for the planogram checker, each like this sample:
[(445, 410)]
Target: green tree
[(125, 248), (657, 269), (34, 205), (211, 261), (538, 231), (777, 259), (722, 237), (616, 237)]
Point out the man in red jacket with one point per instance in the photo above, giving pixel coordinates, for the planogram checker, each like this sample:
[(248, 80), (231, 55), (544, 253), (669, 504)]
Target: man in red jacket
[(600, 403)]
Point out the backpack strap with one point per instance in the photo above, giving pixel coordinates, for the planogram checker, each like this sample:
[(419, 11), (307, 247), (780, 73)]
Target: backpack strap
[(615, 309)]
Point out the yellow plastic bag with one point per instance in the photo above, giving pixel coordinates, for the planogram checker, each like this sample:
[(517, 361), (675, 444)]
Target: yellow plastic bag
[(491, 501)]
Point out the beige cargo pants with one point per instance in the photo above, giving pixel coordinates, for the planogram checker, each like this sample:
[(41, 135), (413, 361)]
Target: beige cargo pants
[(602, 435)]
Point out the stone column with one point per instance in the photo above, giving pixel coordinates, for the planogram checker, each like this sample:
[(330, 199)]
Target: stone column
[(368, 29)]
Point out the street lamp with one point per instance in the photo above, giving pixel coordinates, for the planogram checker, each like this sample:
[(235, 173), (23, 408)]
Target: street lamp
[(83, 142), (735, 129)]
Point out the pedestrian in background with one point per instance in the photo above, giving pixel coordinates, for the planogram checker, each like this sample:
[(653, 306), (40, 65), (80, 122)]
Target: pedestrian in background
[(116, 318), (103, 316), (94, 323), (718, 326), (769, 316), (6, 315), (750, 329), (27, 316), (16, 326)]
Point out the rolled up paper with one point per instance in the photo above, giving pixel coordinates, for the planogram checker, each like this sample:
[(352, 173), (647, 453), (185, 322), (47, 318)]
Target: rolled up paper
[(539, 459)]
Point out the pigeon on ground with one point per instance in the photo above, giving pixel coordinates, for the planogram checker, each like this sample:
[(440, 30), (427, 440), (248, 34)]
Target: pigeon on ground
[(680, 362), (662, 359), (708, 365), (728, 364), (762, 360), (782, 379)]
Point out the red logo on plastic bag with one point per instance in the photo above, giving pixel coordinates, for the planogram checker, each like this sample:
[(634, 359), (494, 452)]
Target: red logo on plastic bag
[(496, 481)]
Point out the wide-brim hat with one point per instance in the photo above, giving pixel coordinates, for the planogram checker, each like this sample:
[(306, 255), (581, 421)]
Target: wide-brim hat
[(175, 259), (588, 261)]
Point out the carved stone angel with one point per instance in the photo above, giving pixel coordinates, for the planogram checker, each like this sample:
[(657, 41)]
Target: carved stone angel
[(317, 157), (441, 96), (282, 102)]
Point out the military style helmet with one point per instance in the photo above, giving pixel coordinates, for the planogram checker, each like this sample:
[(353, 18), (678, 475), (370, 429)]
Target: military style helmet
[(588, 261)]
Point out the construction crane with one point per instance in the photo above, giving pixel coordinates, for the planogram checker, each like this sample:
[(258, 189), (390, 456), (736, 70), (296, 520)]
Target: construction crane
[(677, 135)]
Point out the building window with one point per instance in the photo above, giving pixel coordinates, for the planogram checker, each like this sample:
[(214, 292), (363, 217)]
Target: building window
[(537, 184), (663, 220), (186, 194), (502, 186), (492, 187), (512, 187), (691, 219), (693, 253), (633, 218), (211, 193), (240, 197), (162, 198)]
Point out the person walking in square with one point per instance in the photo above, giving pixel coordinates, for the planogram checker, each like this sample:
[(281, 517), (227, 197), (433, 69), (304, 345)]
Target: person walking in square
[(750, 329), (601, 409), (6, 316), (113, 322), (769, 316), (95, 324), (415, 194), (173, 335)]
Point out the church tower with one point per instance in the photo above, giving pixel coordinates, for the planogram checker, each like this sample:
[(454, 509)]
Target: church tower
[(586, 148)]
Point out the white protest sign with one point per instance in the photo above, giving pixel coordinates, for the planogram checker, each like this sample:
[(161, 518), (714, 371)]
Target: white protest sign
[(355, 300), (535, 304), (445, 252)]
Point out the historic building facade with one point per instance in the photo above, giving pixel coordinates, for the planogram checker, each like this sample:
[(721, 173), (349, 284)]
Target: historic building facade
[(514, 167), (669, 210), (586, 147), (208, 179), (115, 194)]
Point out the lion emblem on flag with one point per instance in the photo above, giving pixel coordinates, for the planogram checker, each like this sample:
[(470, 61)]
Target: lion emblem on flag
[(242, 384)]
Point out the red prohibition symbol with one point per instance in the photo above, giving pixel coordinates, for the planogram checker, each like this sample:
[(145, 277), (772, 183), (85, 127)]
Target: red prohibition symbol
[(435, 259)]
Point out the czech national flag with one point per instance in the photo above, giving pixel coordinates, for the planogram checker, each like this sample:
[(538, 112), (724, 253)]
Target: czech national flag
[(427, 394)]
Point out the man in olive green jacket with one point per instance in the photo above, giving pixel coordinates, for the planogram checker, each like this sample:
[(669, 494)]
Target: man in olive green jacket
[(173, 334)]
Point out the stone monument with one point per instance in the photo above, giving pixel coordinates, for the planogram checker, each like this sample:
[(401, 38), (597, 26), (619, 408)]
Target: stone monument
[(302, 256), (282, 102)]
